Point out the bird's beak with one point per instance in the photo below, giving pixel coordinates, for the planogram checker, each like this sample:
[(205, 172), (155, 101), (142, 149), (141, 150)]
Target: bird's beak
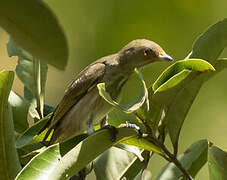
[(165, 57)]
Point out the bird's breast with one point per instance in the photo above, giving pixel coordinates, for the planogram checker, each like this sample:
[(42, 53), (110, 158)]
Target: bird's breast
[(91, 107)]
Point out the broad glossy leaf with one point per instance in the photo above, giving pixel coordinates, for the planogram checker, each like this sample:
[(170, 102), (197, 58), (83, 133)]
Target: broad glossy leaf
[(20, 111), (143, 144), (172, 75), (113, 163), (180, 107), (167, 88), (116, 164), (8, 155), (193, 159), (126, 108), (27, 152), (34, 26), (217, 163), (208, 46), (41, 165), (63, 165), (211, 43), (135, 167)]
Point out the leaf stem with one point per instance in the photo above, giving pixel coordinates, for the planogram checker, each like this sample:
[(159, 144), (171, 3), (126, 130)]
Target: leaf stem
[(169, 156)]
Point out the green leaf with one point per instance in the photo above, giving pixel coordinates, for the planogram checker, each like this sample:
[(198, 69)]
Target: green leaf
[(64, 166), (217, 163), (32, 72), (135, 167), (20, 111), (211, 43), (178, 71), (27, 152), (193, 159), (143, 144), (126, 108), (30, 134), (41, 165), (34, 26), (208, 46), (113, 163), (166, 90), (8, 154), (132, 149), (180, 107)]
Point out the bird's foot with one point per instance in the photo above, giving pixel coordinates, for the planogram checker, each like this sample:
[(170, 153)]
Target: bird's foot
[(133, 126), (113, 131)]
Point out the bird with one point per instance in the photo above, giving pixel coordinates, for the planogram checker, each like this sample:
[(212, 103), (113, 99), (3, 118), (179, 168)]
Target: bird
[(82, 107)]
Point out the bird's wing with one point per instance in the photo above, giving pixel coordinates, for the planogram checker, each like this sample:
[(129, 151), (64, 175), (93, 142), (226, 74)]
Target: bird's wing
[(87, 79)]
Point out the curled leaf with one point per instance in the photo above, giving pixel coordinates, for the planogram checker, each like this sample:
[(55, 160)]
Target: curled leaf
[(130, 107), (172, 72)]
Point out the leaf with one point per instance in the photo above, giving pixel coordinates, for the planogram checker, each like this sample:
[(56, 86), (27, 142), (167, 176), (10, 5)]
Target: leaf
[(135, 167), (29, 135), (193, 159), (167, 89), (34, 26), (41, 165), (8, 154), (217, 163), (211, 43), (51, 160), (32, 72), (177, 69), (113, 163), (143, 144), (132, 149), (27, 152), (208, 46), (126, 108), (20, 111)]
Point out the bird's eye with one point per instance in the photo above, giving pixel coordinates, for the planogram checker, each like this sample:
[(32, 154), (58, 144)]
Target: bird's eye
[(147, 52)]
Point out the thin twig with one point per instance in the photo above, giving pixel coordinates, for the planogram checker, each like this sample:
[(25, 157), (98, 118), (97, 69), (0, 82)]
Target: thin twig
[(171, 158)]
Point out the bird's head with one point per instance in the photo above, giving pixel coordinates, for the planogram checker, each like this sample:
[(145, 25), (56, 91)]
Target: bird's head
[(141, 52)]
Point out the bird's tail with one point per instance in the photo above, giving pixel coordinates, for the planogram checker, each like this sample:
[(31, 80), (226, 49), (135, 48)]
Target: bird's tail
[(49, 129)]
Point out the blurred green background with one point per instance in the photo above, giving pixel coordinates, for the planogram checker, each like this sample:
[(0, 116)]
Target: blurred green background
[(95, 28)]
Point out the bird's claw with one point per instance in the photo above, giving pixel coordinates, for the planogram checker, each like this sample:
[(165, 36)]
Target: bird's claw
[(133, 126), (113, 131)]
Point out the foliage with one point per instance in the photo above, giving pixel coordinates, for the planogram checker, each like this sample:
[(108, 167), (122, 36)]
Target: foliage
[(160, 110)]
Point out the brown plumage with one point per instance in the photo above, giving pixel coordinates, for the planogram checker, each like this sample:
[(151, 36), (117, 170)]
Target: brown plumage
[(82, 106)]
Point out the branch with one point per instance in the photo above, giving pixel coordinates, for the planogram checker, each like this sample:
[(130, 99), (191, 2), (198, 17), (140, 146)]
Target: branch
[(171, 158)]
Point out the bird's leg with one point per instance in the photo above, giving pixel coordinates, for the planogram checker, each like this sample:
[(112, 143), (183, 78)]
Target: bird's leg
[(104, 125), (90, 129), (104, 121)]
